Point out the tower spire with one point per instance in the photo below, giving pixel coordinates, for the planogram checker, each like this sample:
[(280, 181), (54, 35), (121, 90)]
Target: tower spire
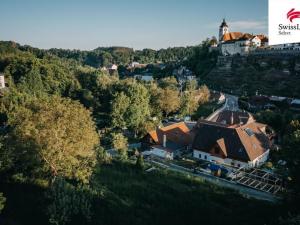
[(224, 29)]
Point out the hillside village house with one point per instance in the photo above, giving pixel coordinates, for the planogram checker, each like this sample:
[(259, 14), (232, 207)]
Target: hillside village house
[(236, 140), (232, 43), (144, 77), (238, 145), (169, 141)]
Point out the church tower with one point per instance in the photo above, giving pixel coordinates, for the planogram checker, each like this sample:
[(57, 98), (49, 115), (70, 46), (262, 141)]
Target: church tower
[(223, 30)]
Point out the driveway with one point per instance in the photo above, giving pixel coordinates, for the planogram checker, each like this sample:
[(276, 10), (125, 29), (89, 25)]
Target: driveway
[(231, 103)]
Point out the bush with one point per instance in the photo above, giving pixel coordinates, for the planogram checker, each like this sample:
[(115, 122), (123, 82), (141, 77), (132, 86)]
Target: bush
[(2, 202), (140, 162), (67, 202)]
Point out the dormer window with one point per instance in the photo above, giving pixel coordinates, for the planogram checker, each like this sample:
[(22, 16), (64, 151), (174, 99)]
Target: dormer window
[(249, 132)]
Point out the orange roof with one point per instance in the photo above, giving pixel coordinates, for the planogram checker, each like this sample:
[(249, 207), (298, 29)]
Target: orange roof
[(177, 132), (221, 143), (262, 37), (180, 125), (232, 36), (255, 145)]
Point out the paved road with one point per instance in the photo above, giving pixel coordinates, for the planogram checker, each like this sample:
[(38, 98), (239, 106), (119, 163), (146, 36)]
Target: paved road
[(231, 104), (244, 191)]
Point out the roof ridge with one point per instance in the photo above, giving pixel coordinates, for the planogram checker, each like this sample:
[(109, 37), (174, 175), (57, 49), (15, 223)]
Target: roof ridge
[(172, 126)]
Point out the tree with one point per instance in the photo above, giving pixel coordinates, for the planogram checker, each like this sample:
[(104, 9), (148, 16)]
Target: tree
[(32, 83), (155, 110), (168, 100), (120, 106), (130, 107), (140, 162), (2, 202), (67, 202), (53, 136), (6, 156), (291, 152), (191, 85), (189, 103), (203, 94), (169, 82), (119, 142)]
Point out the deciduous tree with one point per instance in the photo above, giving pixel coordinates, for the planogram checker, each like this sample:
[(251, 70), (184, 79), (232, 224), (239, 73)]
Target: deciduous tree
[(54, 136)]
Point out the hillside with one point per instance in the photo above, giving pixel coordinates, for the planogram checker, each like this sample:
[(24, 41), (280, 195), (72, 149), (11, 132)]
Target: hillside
[(267, 74), (58, 114)]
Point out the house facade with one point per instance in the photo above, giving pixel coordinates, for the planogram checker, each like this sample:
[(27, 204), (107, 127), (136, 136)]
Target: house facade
[(238, 146)]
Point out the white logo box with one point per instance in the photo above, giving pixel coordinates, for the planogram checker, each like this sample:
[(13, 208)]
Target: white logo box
[(281, 29)]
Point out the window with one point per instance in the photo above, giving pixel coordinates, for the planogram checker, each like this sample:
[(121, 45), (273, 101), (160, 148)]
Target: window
[(205, 157), (249, 132), (239, 165), (200, 156)]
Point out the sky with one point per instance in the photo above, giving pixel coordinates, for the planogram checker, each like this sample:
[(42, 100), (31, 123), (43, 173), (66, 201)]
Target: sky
[(88, 24)]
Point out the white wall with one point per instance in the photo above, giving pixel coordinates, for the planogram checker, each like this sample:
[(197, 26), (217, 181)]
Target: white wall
[(206, 156), (162, 153), (256, 42), (238, 47), (260, 160)]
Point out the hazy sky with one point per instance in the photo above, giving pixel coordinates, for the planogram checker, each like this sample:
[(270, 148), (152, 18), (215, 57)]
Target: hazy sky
[(87, 24)]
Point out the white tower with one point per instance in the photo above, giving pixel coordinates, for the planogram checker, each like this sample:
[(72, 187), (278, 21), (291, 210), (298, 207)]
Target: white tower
[(223, 30), (2, 81)]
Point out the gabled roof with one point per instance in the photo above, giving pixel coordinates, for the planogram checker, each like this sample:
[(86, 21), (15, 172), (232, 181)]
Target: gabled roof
[(178, 133), (228, 117), (239, 36), (263, 37), (221, 143), (244, 143), (232, 36)]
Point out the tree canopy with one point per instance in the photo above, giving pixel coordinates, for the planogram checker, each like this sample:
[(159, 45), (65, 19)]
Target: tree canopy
[(53, 136)]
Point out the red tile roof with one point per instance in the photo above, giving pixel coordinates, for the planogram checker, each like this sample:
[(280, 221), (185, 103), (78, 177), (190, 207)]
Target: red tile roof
[(177, 133), (244, 143)]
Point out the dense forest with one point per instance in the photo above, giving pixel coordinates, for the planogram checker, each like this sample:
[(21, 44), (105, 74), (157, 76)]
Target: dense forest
[(60, 111)]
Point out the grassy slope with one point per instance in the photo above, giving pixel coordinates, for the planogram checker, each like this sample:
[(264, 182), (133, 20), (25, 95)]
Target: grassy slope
[(168, 198), (133, 197)]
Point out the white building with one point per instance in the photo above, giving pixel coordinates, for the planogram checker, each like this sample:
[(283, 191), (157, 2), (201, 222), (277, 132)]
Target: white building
[(2, 81), (147, 78), (291, 46), (239, 146), (232, 43), (112, 67)]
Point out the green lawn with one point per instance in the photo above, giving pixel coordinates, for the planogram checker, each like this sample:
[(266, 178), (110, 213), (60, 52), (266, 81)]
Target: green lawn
[(134, 197), (127, 196)]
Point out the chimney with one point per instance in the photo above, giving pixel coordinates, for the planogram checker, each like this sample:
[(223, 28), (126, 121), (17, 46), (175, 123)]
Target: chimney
[(165, 141), (232, 120)]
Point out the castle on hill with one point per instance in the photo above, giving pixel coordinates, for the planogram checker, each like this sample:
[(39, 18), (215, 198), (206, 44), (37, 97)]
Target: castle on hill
[(233, 43)]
